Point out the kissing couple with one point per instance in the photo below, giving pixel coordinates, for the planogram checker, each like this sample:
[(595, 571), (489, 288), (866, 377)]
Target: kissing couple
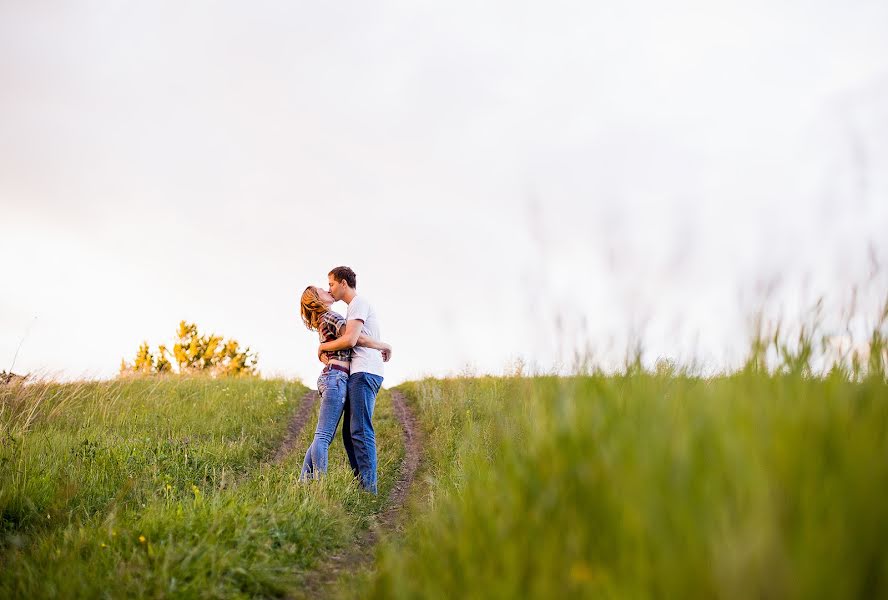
[(353, 357)]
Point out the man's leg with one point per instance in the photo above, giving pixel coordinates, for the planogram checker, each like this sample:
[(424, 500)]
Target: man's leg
[(362, 390), (347, 437)]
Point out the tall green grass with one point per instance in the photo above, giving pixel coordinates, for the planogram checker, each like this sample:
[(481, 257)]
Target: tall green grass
[(751, 485), (162, 487), (84, 448), (768, 482)]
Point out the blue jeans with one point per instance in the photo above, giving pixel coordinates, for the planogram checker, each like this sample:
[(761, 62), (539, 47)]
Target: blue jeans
[(332, 387), (358, 436)]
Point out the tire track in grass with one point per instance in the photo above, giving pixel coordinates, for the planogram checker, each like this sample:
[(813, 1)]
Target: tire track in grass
[(359, 554), (412, 436), (297, 423)]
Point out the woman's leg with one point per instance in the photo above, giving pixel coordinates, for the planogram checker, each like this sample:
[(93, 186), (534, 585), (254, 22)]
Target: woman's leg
[(332, 400), (307, 464)]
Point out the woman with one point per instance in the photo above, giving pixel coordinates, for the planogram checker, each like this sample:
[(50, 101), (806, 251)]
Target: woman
[(333, 382)]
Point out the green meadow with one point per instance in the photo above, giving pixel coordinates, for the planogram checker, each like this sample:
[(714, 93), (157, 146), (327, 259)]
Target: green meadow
[(628, 485), (164, 487), (644, 486)]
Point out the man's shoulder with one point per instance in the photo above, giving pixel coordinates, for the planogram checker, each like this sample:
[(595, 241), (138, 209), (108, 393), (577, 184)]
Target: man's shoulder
[(359, 305), (359, 300)]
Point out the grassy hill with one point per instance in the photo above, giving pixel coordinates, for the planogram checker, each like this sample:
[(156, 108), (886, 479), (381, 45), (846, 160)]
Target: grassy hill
[(643, 486), (638, 485), (158, 487)]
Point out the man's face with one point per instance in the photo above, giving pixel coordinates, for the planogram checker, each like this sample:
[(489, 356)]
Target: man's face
[(337, 288), (325, 296)]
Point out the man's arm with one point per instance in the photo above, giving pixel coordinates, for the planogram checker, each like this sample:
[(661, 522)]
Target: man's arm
[(348, 339), (352, 337)]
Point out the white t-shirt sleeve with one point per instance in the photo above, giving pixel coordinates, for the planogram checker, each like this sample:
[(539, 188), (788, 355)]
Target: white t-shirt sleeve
[(358, 309)]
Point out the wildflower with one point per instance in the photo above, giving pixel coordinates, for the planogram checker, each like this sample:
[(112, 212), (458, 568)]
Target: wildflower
[(104, 545), (141, 539)]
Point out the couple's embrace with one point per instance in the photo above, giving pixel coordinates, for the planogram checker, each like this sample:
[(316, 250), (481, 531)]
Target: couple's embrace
[(353, 357)]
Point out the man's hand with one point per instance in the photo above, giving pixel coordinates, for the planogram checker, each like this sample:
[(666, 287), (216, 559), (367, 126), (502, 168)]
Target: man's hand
[(386, 352), (322, 356)]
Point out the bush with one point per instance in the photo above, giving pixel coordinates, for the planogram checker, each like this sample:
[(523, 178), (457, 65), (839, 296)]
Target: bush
[(194, 354)]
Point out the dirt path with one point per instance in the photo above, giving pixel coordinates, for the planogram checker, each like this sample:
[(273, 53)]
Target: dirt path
[(359, 554), (303, 414), (412, 435)]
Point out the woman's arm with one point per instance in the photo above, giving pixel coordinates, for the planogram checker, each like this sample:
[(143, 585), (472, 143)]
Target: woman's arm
[(369, 342)]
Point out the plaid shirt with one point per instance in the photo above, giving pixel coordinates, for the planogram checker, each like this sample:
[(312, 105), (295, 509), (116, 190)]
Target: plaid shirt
[(332, 326)]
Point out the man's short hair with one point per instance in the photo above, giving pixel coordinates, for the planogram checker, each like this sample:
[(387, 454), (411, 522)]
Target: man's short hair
[(347, 275)]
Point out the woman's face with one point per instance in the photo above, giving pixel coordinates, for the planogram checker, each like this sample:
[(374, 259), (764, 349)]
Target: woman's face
[(325, 297)]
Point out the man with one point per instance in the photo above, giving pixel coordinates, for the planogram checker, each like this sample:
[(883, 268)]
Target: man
[(365, 375)]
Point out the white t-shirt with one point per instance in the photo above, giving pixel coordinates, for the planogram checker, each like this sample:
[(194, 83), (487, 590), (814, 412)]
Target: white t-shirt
[(365, 360)]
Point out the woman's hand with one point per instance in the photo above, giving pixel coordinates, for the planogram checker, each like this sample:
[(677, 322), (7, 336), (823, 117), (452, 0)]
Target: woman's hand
[(369, 342)]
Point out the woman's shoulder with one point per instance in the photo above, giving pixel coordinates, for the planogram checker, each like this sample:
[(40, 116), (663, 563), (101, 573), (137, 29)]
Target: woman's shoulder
[(331, 316)]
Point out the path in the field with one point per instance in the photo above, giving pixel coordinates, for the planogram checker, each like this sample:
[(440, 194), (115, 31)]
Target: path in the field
[(303, 414), (359, 554)]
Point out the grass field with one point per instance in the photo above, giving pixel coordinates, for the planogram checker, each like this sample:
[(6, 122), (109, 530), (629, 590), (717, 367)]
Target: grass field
[(643, 486), (621, 486), (152, 488)]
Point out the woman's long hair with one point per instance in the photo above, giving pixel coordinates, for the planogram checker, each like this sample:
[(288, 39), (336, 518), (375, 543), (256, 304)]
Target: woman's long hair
[(311, 308)]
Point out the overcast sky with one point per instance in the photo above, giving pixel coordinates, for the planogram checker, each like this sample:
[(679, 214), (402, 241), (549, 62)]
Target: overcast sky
[(509, 179)]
